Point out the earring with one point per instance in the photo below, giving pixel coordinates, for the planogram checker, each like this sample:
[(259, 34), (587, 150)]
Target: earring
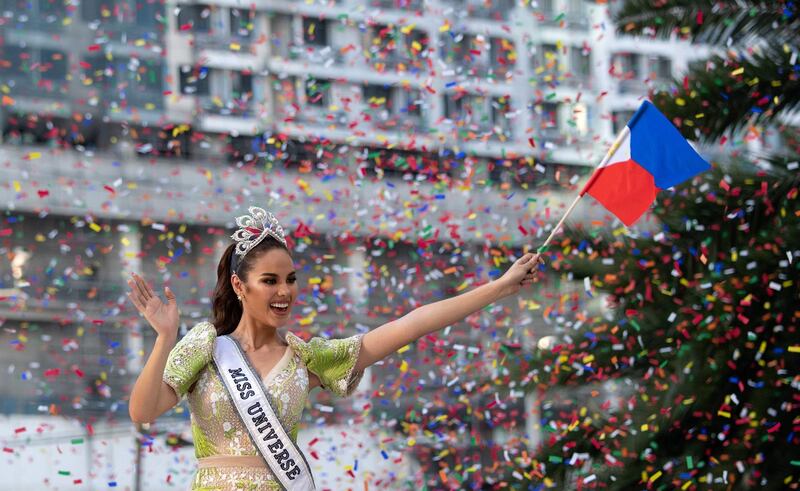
[(239, 297)]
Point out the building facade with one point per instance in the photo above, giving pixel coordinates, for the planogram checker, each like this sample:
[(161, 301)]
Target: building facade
[(408, 145)]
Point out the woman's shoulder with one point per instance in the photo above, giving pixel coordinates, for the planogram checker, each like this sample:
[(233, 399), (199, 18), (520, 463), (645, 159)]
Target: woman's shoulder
[(200, 337), (203, 330)]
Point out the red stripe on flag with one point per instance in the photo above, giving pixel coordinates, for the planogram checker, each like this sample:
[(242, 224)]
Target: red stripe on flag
[(626, 189)]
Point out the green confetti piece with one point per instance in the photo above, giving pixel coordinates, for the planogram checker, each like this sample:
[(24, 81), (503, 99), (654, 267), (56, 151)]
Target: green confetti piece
[(76, 441), (63, 473)]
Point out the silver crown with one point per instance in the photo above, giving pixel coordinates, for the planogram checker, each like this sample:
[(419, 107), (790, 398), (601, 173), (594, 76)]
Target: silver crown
[(254, 227)]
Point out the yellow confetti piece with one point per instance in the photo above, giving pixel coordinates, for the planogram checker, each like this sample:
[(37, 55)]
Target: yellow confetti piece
[(724, 414), (655, 476), (404, 367), (738, 71), (794, 349), (95, 227), (17, 187)]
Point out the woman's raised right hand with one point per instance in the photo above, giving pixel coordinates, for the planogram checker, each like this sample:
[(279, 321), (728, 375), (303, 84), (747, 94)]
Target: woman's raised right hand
[(162, 316)]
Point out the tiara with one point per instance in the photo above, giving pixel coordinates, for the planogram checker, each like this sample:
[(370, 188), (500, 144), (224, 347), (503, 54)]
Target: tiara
[(254, 227)]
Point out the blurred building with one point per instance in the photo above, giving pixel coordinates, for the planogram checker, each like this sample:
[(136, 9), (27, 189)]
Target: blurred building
[(406, 143)]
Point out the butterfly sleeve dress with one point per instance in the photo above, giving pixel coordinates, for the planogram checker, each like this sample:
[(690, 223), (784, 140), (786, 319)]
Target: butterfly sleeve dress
[(227, 457)]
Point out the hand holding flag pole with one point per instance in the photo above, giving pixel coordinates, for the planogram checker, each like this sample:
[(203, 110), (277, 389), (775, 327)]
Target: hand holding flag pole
[(648, 155)]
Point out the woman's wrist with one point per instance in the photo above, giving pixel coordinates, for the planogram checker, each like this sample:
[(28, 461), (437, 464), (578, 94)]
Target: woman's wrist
[(167, 339)]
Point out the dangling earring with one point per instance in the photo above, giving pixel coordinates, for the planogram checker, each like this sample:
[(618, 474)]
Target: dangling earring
[(239, 297)]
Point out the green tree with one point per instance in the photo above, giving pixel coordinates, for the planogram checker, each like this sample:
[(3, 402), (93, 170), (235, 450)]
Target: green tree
[(703, 346)]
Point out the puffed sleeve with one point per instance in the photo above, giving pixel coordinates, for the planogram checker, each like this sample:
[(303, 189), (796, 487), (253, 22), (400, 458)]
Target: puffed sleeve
[(188, 358), (332, 360)]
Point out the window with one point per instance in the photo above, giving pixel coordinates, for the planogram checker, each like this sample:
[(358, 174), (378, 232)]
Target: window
[(169, 141), (502, 54), (195, 18), (453, 106), (242, 85), (149, 13), (317, 92), (315, 31), (547, 57), (194, 80), (626, 66), (15, 62), (53, 65), (547, 7), (52, 10), (33, 70), (377, 96), (410, 102), (619, 119), (546, 120), (462, 50), (242, 22), (245, 148), (580, 62), (660, 67), (382, 161), (92, 10), (501, 106)]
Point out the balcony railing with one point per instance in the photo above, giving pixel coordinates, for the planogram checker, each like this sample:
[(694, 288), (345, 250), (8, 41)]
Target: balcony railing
[(398, 4), (632, 86), (315, 54), (228, 107), (234, 44)]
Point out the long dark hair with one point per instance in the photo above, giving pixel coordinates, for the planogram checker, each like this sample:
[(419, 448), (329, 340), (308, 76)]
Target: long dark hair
[(227, 308)]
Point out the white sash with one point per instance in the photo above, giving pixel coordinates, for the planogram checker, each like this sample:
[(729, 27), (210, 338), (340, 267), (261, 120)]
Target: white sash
[(249, 397)]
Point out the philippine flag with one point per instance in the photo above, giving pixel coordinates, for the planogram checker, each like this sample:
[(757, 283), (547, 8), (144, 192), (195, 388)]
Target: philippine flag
[(649, 155)]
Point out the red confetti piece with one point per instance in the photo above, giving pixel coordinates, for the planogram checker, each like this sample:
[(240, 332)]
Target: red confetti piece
[(20, 430), (43, 193), (94, 47)]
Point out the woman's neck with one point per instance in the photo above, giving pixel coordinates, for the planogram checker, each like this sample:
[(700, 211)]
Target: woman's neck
[(253, 335)]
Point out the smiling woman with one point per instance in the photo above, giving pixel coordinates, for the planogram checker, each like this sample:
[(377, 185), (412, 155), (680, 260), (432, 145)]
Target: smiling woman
[(243, 379)]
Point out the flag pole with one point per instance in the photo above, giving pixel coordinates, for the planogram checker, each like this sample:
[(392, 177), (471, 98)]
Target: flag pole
[(614, 146)]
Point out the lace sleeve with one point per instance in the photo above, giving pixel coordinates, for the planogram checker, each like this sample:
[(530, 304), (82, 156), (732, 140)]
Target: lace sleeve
[(188, 358), (332, 360)]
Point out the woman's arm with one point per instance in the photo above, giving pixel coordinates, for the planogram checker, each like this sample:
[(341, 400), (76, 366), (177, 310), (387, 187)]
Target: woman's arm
[(151, 396), (388, 338)]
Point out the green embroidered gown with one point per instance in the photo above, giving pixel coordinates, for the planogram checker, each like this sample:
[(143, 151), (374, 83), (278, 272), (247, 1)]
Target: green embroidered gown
[(216, 427)]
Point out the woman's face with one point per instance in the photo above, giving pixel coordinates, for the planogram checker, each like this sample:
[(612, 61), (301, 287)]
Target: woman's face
[(271, 288)]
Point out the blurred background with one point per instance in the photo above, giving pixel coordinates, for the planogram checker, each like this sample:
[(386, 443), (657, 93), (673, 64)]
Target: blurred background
[(413, 149)]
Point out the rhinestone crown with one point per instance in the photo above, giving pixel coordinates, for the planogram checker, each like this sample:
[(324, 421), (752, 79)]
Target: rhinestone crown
[(254, 227)]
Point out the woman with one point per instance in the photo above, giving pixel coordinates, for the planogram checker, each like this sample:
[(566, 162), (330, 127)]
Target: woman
[(246, 386)]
